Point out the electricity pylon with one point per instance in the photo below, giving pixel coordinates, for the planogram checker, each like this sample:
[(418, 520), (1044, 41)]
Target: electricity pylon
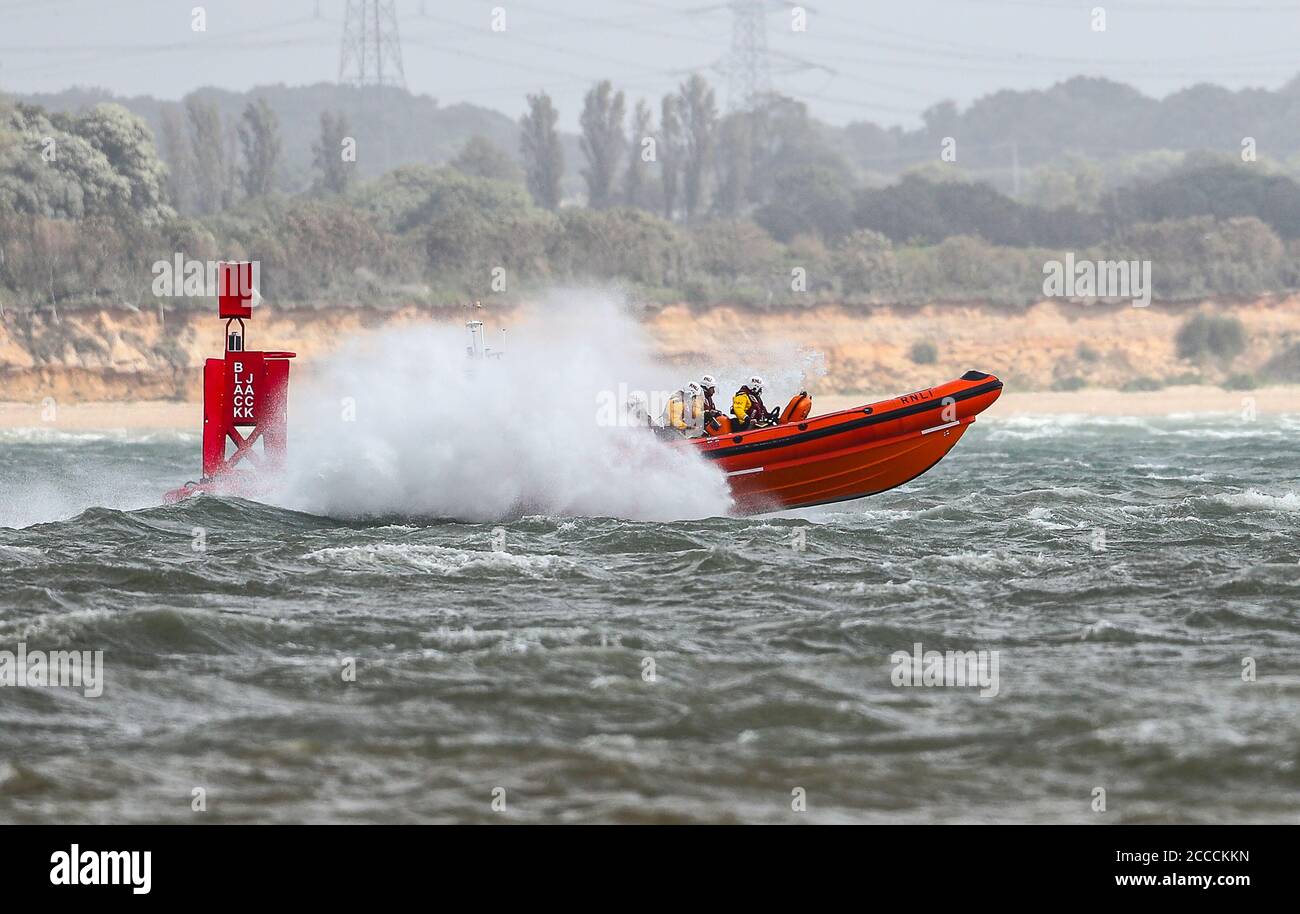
[(749, 72), (371, 53)]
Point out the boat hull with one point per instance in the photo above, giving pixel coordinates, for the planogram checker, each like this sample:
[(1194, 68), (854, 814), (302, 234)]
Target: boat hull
[(852, 453)]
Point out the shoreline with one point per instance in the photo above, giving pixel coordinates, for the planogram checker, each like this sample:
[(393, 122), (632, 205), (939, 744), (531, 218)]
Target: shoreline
[(1272, 400)]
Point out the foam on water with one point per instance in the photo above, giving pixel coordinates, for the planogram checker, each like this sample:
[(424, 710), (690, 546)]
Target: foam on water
[(435, 435), (51, 435), (396, 558), (1252, 500), (20, 555)]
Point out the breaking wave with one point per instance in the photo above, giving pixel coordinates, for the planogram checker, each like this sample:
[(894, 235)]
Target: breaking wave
[(402, 423)]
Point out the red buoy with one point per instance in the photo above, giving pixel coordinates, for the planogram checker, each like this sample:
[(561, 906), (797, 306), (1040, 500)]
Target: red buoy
[(245, 400)]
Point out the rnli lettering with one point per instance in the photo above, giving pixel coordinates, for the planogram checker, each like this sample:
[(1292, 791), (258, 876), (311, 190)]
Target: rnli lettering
[(246, 376), (917, 397)]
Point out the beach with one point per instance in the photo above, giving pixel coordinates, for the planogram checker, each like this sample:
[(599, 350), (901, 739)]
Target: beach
[(1186, 400)]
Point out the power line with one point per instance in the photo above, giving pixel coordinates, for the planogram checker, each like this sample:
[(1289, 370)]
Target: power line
[(530, 42)]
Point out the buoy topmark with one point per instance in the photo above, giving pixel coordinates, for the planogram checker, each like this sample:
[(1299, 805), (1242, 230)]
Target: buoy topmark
[(244, 389)]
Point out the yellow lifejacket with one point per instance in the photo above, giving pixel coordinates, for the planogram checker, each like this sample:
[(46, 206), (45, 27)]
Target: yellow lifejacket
[(676, 412), (696, 412), (740, 406)]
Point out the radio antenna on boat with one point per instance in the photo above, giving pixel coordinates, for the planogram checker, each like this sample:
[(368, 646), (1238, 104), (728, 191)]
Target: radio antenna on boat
[(478, 348)]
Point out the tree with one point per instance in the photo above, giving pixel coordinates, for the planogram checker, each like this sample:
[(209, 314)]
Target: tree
[(398, 197), (480, 158), (67, 167), (259, 135), (782, 137), (915, 209), (670, 150), (468, 226), (1203, 256), (602, 141), (699, 124), (327, 153), (634, 179), (1202, 335), (734, 250), (543, 155), (941, 120), (622, 244), (734, 163), (180, 167), (865, 264), (127, 143), (1076, 186), (809, 199), (208, 145), (32, 185), (1221, 190)]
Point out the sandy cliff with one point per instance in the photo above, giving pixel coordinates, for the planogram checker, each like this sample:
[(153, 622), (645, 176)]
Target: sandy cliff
[(124, 355), (1035, 349)]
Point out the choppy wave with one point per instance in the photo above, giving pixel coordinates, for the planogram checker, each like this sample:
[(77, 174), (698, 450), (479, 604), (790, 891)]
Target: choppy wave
[(49, 435), (1251, 500), (693, 669), (401, 558)]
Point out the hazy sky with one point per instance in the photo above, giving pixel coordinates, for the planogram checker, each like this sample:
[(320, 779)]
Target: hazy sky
[(858, 59)]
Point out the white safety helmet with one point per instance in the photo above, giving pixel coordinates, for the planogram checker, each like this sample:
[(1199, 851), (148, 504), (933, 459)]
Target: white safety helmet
[(709, 382), (692, 389), (756, 384)]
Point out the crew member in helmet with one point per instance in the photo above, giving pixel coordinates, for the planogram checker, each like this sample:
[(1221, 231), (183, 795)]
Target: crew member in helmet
[(694, 410), (747, 406), (709, 385), (675, 411)]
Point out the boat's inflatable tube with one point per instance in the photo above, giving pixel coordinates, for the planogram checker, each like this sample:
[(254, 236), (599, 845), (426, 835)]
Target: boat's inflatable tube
[(718, 425), (852, 453)]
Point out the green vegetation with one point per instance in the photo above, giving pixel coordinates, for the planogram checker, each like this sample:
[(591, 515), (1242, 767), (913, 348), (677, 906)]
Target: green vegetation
[(672, 200), (328, 154), (259, 136), (540, 145), (1222, 190), (1142, 384), (1285, 366), (1070, 382), (1218, 336), (100, 165), (1240, 381), (924, 353)]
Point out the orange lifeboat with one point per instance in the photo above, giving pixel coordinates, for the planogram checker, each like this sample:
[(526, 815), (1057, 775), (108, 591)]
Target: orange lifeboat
[(847, 454)]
